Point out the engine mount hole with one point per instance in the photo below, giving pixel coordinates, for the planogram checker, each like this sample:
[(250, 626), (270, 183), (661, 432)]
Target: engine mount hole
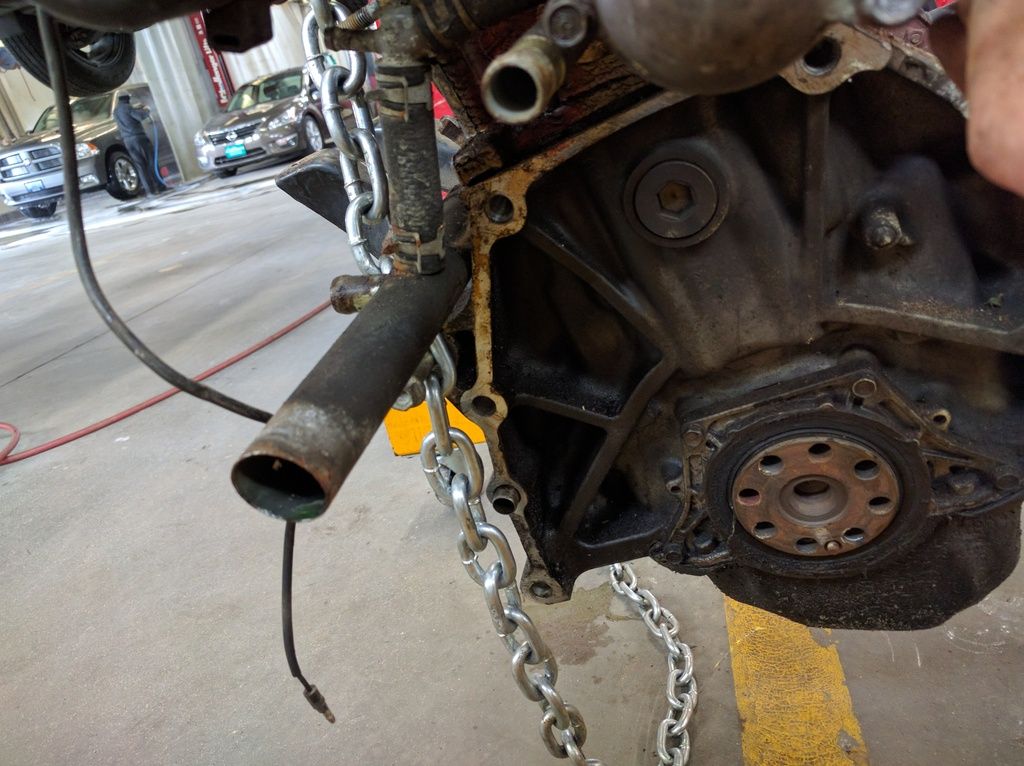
[(541, 590), (854, 535), (771, 465), (866, 470), (823, 57), (749, 496), (806, 545), (500, 208), (880, 505), (484, 405), (764, 529), (819, 452), (506, 499)]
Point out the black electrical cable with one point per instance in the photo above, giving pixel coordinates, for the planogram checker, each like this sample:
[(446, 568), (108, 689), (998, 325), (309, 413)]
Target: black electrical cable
[(312, 694), (53, 47)]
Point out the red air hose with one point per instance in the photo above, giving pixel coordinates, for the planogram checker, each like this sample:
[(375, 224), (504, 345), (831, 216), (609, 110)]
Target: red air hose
[(7, 458)]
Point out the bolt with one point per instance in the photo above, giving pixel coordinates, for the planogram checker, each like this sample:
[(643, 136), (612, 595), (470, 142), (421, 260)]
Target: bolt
[(1007, 481), (962, 483), (865, 388), (832, 546), (882, 228), (673, 553), (566, 23), (889, 12), (693, 437), (675, 197), (541, 590), (882, 236), (704, 542)]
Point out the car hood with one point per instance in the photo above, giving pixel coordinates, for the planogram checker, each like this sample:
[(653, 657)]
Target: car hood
[(246, 116), (85, 132)]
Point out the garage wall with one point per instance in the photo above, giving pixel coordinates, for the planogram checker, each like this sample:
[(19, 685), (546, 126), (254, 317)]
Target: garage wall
[(27, 96), (283, 52)]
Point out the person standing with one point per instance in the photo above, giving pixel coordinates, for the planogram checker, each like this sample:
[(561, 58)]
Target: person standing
[(129, 121)]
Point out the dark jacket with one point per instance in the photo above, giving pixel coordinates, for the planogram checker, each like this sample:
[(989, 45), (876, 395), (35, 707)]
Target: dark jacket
[(129, 120)]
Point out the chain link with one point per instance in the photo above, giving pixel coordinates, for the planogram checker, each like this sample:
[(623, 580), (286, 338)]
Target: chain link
[(673, 742), (449, 458), (362, 165), (454, 469)]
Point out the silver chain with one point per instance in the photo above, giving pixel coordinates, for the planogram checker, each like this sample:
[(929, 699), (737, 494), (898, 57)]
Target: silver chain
[(455, 472), (367, 191), (673, 743), (451, 461)]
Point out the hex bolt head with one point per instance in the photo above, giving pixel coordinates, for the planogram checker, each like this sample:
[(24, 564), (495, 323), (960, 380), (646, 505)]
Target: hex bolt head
[(675, 197), (1007, 481), (833, 546), (962, 483), (693, 437), (882, 228), (566, 22)]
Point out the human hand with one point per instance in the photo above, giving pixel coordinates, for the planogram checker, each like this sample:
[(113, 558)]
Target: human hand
[(982, 49)]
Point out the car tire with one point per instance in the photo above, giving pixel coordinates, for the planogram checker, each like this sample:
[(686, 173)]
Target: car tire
[(108, 66), (123, 179), (312, 133), (226, 172), (39, 212)]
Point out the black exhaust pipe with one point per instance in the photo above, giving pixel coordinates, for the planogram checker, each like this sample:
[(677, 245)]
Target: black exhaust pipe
[(299, 461)]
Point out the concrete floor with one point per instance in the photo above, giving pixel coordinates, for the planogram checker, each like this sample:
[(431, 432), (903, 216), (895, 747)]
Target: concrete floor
[(139, 617)]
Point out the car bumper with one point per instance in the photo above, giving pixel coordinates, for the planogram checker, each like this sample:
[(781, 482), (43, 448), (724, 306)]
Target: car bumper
[(259, 147), (48, 186)]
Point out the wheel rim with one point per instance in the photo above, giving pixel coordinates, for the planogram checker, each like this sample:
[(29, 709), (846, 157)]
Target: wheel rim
[(126, 175), (314, 138)]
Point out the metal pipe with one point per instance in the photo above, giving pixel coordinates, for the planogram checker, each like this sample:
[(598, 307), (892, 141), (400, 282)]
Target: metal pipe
[(519, 84), (299, 461)]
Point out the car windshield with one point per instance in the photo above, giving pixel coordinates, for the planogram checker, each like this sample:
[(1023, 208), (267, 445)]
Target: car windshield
[(272, 89), (83, 110)]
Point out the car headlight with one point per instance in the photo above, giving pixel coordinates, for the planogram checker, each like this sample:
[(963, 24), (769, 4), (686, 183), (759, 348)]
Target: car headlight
[(200, 139), (283, 120), (85, 150)]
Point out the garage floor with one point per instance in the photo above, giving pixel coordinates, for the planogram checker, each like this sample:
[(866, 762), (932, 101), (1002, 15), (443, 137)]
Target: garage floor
[(139, 615)]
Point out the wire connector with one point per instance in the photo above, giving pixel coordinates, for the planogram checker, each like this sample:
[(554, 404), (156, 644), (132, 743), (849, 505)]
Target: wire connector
[(317, 701)]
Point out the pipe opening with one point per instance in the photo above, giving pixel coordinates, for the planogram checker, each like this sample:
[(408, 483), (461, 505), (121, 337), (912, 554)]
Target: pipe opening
[(515, 92), (279, 487)]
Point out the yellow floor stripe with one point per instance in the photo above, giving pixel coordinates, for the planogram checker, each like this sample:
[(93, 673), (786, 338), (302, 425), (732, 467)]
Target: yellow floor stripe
[(795, 709)]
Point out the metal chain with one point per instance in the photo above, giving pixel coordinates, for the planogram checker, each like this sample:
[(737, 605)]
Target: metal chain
[(368, 199), (362, 164), (455, 472), (673, 743), (450, 459)]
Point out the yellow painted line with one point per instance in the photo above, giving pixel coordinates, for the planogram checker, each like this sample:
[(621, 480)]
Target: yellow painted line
[(795, 709)]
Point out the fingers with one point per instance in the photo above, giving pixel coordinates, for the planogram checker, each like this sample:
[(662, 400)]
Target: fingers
[(995, 90)]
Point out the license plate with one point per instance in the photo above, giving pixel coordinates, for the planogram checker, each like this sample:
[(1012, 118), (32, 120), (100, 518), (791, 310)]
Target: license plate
[(34, 186), (234, 151)]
